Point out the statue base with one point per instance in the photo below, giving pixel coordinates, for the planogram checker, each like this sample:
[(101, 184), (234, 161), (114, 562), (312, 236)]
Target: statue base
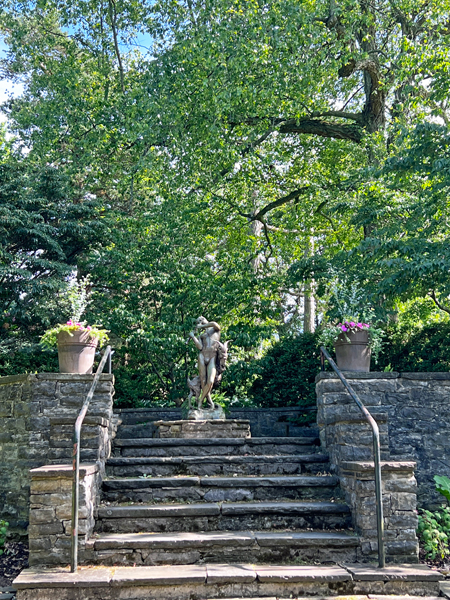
[(216, 428), (206, 414)]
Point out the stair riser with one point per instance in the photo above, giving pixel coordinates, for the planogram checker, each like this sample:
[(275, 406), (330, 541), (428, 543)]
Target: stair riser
[(216, 450), (218, 494), (220, 554), (224, 523), (289, 468)]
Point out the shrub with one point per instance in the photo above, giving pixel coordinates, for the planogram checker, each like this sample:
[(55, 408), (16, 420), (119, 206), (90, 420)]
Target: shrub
[(425, 350), (434, 532), (286, 374)]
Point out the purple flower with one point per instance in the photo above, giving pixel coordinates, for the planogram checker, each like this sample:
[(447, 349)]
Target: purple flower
[(352, 323), (360, 325), (344, 328)]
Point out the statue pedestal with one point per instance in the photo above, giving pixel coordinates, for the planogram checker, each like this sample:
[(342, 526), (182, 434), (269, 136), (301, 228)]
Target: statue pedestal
[(217, 428), (206, 414)]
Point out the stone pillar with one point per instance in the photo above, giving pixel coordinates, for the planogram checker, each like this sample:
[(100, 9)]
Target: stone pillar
[(348, 439), (399, 508), (49, 531)]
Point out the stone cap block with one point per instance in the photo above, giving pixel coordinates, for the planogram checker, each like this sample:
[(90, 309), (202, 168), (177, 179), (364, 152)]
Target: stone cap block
[(71, 421), (386, 465), (15, 378), (296, 574), (161, 575), (63, 471), (209, 421), (230, 574), (393, 573), (359, 375), (62, 578), (74, 377)]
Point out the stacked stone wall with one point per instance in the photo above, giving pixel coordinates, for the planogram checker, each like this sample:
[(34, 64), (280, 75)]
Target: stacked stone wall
[(37, 415), (413, 411)]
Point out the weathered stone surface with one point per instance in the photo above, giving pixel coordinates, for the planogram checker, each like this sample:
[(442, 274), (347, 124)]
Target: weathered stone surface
[(220, 574), (196, 429), (30, 435), (277, 574)]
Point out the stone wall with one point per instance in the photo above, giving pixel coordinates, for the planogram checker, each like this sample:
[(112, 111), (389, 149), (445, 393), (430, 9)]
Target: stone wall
[(264, 422), (49, 532), (37, 414), (413, 410)]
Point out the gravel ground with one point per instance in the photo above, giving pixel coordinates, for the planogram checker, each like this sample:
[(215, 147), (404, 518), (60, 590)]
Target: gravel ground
[(12, 561)]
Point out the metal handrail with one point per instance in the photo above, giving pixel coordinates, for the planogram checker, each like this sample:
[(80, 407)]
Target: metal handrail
[(76, 458), (376, 452)]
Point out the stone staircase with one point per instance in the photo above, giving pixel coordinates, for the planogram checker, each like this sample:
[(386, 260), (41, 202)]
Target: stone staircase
[(205, 518), (221, 500)]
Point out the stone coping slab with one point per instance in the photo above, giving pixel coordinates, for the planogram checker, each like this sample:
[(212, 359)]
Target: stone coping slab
[(211, 539), (143, 442), (160, 575), (424, 376), (220, 481), (94, 577), (87, 421), (74, 377), (445, 589), (63, 471), (212, 422), (386, 465), (224, 508), (230, 573), (393, 573), (295, 574), (215, 458)]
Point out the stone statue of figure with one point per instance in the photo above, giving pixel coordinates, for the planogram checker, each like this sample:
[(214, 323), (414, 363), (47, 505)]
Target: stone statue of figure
[(212, 360)]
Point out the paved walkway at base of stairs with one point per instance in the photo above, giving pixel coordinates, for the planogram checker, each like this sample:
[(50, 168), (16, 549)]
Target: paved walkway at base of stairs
[(214, 581)]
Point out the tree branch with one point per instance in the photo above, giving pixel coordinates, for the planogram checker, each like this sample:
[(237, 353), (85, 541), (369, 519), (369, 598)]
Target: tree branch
[(432, 295), (112, 16)]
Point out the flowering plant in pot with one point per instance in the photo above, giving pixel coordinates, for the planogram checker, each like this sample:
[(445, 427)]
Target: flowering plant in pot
[(76, 340), (353, 331)]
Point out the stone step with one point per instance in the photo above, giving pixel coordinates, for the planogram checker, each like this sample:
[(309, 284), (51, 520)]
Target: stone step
[(227, 516), (219, 489), (221, 546), (215, 446), (217, 465), (204, 582)]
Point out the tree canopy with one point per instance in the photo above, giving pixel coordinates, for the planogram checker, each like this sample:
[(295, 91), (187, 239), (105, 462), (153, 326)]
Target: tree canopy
[(221, 157)]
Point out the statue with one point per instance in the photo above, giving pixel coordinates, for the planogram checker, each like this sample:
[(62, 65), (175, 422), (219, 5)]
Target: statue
[(212, 360)]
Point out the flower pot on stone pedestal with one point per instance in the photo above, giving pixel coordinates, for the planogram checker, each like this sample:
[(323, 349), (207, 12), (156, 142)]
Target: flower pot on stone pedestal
[(76, 351), (353, 354)]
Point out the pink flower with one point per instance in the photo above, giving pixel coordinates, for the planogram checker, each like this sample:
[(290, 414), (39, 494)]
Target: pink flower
[(352, 323), (360, 325), (78, 324), (366, 325), (69, 323), (344, 328), (88, 328)]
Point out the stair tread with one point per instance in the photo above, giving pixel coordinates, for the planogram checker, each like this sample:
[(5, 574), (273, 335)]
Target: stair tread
[(223, 538), (221, 481), (89, 577), (254, 458), (136, 442), (216, 508)]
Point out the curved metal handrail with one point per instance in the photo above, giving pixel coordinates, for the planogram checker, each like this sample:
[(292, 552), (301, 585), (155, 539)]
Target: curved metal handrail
[(376, 453), (76, 458)]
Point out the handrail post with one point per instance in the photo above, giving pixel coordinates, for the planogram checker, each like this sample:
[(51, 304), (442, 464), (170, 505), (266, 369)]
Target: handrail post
[(376, 454), (76, 459)]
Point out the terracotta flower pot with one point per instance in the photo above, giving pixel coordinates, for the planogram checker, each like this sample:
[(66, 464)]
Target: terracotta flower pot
[(353, 355), (76, 353)]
